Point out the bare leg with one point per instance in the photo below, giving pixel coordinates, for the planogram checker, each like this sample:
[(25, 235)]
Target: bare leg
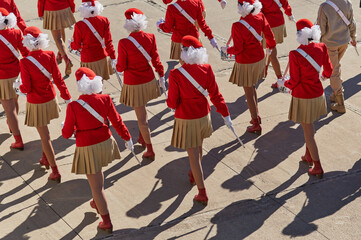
[(143, 125), (309, 134), (196, 167), (46, 144), (11, 115), (16, 104), (251, 101), (63, 35), (275, 63), (96, 182), (57, 35)]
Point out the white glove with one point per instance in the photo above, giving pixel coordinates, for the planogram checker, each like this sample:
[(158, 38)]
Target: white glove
[(68, 101), (160, 21), (214, 43), (129, 144), (223, 4), (17, 83), (62, 124), (228, 121), (268, 51), (292, 18), (114, 63), (224, 49), (162, 83)]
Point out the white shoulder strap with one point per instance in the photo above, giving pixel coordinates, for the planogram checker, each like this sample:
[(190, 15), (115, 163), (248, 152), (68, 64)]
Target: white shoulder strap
[(252, 30), (194, 82), (140, 48), (340, 13), (278, 3), (184, 13), (309, 59), (10, 46), (90, 110), (41, 67), (96, 34)]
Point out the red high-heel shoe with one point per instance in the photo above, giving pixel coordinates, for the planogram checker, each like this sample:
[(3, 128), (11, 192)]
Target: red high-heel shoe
[(256, 127), (18, 144), (44, 161), (259, 119), (191, 178), (59, 58), (93, 205), (201, 197), (316, 170), (307, 158), (106, 224), (55, 175), (141, 140), (149, 153), (68, 65)]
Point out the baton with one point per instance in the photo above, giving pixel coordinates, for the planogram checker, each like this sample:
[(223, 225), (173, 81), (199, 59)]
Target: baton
[(356, 50), (235, 134), (136, 156), (118, 77), (218, 49)]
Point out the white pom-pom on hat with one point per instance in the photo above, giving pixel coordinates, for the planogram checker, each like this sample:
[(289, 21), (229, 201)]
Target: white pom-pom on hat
[(135, 20), (245, 7), (7, 19), (88, 82), (193, 51), (34, 39), (90, 9), (306, 30)]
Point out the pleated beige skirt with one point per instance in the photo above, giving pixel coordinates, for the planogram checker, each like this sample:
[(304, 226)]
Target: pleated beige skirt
[(7, 91), (279, 32), (91, 159), (139, 95), (307, 110), (102, 68), (57, 20), (175, 50), (247, 75), (39, 115), (189, 133)]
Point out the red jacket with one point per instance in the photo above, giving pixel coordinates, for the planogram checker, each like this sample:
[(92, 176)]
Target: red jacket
[(9, 64), (11, 7), (89, 130), (246, 47), (304, 79), (273, 12), (136, 68), (187, 101), (38, 87), (91, 48), (54, 5), (180, 26)]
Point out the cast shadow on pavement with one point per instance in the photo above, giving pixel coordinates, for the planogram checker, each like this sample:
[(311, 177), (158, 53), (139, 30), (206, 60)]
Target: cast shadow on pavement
[(351, 87)]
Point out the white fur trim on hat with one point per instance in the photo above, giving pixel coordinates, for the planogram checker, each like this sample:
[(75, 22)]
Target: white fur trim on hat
[(194, 55), (87, 10), (307, 33), (137, 23), (33, 43), (11, 21), (246, 8), (87, 86)]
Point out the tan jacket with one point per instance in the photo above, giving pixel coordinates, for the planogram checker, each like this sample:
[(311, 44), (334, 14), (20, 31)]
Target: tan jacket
[(334, 31)]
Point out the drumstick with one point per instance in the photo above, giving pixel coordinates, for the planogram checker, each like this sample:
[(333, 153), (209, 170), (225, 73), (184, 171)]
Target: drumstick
[(286, 71), (356, 50)]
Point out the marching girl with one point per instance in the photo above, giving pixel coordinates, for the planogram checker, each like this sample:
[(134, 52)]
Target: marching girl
[(272, 11), (11, 7), (37, 72), (250, 60), (308, 100), (180, 25), (58, 15), (94, 46), (140, 85), (95, 146), (10, 42), (192, 121)]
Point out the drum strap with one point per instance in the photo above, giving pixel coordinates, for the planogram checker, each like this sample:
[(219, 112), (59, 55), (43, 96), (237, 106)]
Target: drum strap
[(10, 46), (251, 29), (278, 3), (309, 59), (140, 48), (41, 67), (96, 34), (194, 82), (90, 110), (340, 13), (184, 13)]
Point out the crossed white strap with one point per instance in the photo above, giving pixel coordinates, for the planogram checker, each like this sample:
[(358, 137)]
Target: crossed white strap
[(41, 67), (251, 29), (140, 48), (90, 110), (278, 3), (194, 82), (184, 13), (96, 34), (309, 59), (10, 46), (340, 13)]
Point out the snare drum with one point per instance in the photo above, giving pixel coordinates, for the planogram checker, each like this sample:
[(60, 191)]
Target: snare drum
[(284, 89), (75, 52), (227, 57)]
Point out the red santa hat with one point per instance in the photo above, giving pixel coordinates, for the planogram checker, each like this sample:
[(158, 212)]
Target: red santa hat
[(90, 8), (167, 1), (306, 31), (7, 19), (193, 51), (245, 7), (34, 39), (88, 82), (135, 20)]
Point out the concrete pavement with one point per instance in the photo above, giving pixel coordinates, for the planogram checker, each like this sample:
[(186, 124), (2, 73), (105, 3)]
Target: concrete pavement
[(260, 192)]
